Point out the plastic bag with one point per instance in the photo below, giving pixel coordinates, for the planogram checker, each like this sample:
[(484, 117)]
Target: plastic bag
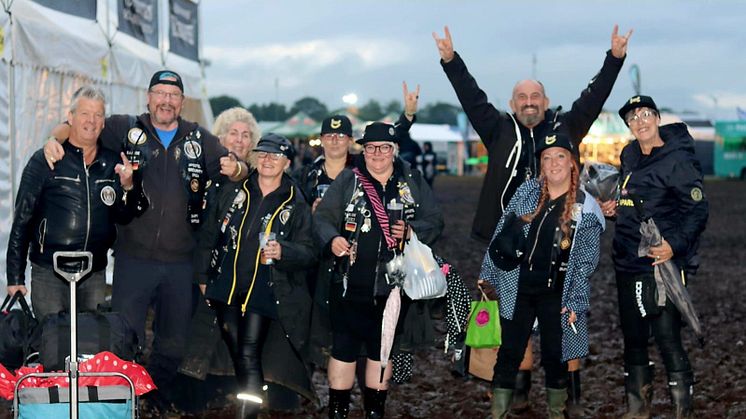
[(424, 279), (601, 180)]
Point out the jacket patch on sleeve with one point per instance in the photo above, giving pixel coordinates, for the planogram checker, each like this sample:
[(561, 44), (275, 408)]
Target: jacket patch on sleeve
[(696, 194)]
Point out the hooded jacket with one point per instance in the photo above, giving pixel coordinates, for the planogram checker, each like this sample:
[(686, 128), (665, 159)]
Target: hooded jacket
[(70, 208), (162, 233), (667, 186), (510, 145)]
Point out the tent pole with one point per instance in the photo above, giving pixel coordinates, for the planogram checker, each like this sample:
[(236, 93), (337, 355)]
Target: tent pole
[(12, 111)]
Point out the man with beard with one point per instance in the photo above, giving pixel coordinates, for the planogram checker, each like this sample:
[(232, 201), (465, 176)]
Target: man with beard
[(175, 159), (510, 138)]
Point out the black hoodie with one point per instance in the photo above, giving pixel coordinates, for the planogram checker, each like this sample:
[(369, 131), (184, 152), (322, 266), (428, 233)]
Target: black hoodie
[(667, 186)]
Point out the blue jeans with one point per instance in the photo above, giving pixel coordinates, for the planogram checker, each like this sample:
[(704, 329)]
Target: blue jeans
[(50, 294), (167, 287)]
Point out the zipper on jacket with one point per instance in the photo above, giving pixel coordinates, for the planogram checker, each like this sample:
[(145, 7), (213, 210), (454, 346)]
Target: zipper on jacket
[(536, 240), (238, 243), (42, 234), (532, 170), (88, 204)]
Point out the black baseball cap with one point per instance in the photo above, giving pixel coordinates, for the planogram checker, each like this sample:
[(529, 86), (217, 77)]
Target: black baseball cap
[(379, 131), (337, 124), (164, 77), (275, 143), (555, 139), (639, 101)]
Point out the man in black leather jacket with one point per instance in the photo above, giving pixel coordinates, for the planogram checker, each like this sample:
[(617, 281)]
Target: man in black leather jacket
[(71, 208), (174, 158)]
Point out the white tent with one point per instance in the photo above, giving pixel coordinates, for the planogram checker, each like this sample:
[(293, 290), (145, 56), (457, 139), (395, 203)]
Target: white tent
[(46, 55), (446, 140)]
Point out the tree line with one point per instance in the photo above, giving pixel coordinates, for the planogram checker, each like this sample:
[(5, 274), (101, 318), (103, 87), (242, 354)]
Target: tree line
[(433, 113)]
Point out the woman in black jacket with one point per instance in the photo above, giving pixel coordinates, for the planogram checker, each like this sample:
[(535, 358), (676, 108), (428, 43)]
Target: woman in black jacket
[(258, 289), (662, 180), (357, 239)]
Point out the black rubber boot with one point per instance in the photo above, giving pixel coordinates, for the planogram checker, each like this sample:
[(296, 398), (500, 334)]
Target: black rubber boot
[(680, 384), (638, 387), (574, 408), (339, 403), (375, 402), (522, 390), (501, 399)]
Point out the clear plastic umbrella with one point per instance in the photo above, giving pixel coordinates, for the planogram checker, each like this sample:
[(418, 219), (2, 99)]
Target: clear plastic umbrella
[(388, 326)]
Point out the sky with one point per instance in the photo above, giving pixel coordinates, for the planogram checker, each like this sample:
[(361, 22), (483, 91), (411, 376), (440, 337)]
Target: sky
[(690, 53)]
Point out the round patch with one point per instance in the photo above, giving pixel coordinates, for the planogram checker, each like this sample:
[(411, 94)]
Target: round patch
[(192, 149), (696, 194), (108, 196), (564, 243), (284, 216), (391, 132), (136, 136), (194, 185)]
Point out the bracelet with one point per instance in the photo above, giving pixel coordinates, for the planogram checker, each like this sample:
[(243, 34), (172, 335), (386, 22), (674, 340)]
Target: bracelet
[(238, 172)]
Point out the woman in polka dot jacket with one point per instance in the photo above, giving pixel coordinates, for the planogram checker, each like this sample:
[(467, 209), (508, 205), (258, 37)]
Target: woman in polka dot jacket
[(562, 230)]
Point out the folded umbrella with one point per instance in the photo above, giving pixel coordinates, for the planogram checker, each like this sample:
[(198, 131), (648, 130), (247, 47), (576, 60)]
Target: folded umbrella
[(388, 326), (668, 277)]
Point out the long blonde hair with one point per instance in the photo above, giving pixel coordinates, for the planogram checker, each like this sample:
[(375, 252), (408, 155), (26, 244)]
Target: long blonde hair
[(566, 216)]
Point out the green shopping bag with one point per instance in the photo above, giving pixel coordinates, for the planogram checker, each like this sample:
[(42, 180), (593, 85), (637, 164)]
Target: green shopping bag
[(483, 329)]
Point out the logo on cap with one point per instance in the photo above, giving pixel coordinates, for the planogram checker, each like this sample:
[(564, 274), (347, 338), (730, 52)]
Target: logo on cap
[(335, 123), (551, 139), (391, 131), (635, 99)]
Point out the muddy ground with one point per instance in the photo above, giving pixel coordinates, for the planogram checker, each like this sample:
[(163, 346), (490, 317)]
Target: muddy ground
[(718, 293)]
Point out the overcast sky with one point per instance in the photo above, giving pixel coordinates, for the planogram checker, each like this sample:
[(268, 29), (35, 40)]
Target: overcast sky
[(690, 53)]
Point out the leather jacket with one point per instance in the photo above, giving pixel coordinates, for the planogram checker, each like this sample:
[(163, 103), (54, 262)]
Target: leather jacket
[(70, 208)]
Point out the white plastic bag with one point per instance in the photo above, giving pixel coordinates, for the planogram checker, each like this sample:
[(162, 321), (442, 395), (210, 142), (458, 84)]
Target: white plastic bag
[(424, 279)]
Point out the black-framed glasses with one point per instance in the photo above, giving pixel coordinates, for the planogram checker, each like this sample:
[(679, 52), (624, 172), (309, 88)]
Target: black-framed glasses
[(160, 94), (271, 156), (383, 148), (643, 116)]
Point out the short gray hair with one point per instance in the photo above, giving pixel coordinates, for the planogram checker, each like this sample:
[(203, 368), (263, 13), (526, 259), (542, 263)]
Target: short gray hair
[(237, 114), (88, 92)]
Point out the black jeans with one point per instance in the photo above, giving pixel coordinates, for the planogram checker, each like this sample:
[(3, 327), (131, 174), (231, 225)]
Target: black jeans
[(515, 334), (665, 328), (245, 334)]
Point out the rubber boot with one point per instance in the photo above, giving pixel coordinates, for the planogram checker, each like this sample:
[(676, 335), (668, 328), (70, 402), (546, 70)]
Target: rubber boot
[(574, 408), (556, 402), (680, 384), (501, 399), (522, 390), (249, 404), (638, 388), (374, 402), (339, 403)]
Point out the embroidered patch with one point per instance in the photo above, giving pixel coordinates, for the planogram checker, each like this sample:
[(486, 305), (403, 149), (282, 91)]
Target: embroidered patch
[(108, 196), (194, 185), (192, 149), (696, 194), (239, 199), (405, 194), (284, 216)]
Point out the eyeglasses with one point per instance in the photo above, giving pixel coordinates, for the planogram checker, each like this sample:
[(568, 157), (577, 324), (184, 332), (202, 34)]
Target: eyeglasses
[(383, 148), (643, 116), (160, 94), (336, 137), (272, 156)]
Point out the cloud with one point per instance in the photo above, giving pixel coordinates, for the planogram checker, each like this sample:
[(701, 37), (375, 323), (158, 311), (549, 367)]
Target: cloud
[(724, 99), (312, 55)]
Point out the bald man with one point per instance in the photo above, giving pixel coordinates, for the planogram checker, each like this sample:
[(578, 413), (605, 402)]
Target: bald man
[(509, 137)]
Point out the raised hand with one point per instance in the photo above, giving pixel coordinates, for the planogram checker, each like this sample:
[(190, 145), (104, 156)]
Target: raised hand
[(124, 170), (410, 99), (619, 43), (445, 45)]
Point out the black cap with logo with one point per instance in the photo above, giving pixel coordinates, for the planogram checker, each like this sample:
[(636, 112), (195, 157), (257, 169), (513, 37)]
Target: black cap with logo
[(379, 131), (337, 124), (166, 77), (274, 143), (555, 139), (639, 101)]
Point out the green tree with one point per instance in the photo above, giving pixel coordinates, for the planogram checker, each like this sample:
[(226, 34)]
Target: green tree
[(221, 103), (371, 111), (269, 112), (393, 107), (439, 113), (311, 107)]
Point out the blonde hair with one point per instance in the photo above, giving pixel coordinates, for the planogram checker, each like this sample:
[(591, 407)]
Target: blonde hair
[(236, 114)]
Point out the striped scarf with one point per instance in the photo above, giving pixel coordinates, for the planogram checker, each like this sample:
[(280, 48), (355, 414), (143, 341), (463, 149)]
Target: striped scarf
[(378, 209)]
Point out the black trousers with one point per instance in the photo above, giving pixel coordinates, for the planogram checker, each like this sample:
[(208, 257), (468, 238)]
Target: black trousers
[(245, 336), (515, 333), (664, 327)]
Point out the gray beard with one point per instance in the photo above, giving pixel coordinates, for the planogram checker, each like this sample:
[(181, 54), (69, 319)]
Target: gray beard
[(529, 120)]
